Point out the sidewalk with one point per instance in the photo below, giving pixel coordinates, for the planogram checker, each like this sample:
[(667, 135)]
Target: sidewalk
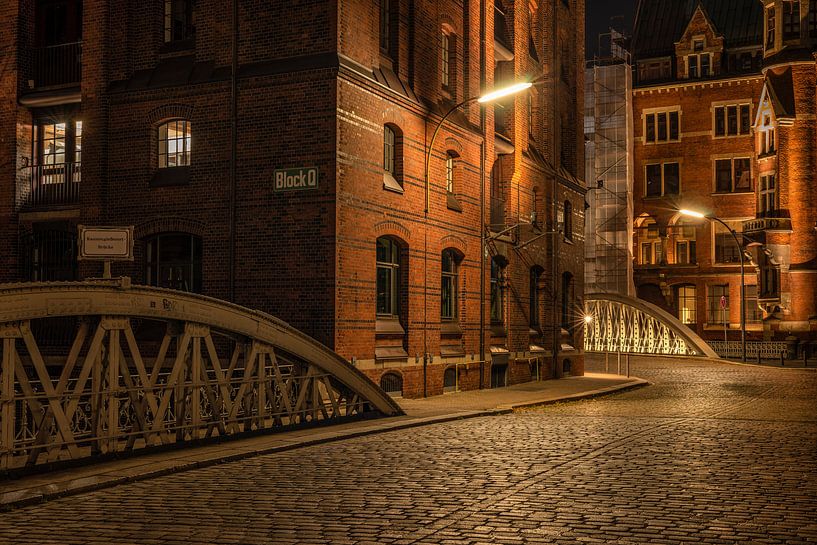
[(419, 412)]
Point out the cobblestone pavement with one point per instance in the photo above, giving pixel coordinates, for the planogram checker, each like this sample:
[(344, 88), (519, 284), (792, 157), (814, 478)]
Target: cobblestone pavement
[(711, 453)]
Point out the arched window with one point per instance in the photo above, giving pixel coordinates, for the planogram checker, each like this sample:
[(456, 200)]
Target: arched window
[(568, 220), (392, 158), (445, 55), (174, 144), (450, 164), (392, 384), (173, 260), (449, 286), (388, 277)]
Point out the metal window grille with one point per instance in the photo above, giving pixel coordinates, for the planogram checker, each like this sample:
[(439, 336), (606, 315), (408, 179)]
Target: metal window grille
[(392, 384)]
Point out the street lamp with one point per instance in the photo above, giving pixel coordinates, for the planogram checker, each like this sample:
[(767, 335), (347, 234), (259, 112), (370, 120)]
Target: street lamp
[(711, 218), (482, 99)]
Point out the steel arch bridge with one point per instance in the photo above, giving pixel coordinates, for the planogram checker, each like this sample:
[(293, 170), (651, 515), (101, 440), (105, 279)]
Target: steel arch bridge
[(617, 323), (103, 367)]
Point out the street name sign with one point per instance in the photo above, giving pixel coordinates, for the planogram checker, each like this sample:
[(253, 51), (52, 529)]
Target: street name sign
[(106, 243), (295, 179)]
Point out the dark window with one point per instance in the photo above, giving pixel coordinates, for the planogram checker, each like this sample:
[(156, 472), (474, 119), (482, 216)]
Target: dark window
[(173, 260), (812, 20), (742, 174), (769, 278), (51, 255), (723, 175), (449, 286), (179, 20), (568, 211), (392, 153), (388, 277), (445, 59), (535, 276), (745, 118), (672, 178), (497, 292), (59, 22), (174, 144), (732, 120), (717, 299), (720, 121), (567, 301), (692, 61), (653, 180), (662, 126), (673, 125), (791, 20), (733, 175), (392, 384), (389, 25), (650, 127), (704, 65)]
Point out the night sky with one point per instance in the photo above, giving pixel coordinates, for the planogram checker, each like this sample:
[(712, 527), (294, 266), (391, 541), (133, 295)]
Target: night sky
[(599, 14)]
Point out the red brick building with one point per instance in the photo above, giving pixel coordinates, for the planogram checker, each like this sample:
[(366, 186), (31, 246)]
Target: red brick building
[(723, 108), (178, 117)]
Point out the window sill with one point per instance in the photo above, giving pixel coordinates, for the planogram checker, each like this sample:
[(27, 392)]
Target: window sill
[(725, 136), (173, 176), (176, 46), (722, 193), (450, 328), (658, 142), (390, 184), (767, 155), (659, 197), (386, 325), (452, 203)]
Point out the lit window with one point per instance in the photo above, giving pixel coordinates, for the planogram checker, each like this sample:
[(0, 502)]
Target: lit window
[(388, 277), (449, 172), (179, 20), (765, 136), (449, 285), (173, 260), (683, 237), (733, 175), (649, 243), (685, 295), (717, 304), (767, 196), (392, 157), (662, 179), (174, 144)]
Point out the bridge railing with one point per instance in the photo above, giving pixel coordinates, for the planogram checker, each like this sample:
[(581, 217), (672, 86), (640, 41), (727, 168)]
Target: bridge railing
[(129, 382)]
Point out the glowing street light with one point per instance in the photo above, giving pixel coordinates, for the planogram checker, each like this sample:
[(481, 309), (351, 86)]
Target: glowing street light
[(505, 91), (711, 218)]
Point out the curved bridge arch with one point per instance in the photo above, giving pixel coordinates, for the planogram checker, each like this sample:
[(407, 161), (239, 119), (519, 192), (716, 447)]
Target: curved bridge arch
[(141, 366), (626, 324)]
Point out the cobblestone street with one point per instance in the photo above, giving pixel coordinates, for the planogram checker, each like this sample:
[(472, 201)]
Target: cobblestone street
[(710, 453)]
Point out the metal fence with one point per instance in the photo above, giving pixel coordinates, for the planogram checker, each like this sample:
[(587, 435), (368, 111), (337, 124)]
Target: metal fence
[(58, 64), (768, 350), (55, 184)]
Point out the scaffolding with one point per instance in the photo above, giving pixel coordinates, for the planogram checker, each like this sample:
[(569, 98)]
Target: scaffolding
[(608, 133)]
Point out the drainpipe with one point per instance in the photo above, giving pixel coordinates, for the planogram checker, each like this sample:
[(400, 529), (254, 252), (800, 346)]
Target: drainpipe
[(233, 153), (555, 259), (482, 71)]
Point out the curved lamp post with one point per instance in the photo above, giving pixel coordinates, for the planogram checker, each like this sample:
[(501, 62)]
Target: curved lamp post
[(482, 99), (711, 218)]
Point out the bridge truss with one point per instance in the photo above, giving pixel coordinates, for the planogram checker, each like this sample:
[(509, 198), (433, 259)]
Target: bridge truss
[(103, 367)]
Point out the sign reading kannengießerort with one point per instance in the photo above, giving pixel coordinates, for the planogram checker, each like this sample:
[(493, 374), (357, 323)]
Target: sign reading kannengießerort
[(295, 179), (106, 243)]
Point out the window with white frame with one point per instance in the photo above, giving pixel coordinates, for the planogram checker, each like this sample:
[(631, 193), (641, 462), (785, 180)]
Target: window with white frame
[(733, 175), (767, 195), (662, 126), (717, 304), (686, 297), (699, 65), (765, 136), (649, 243), (662, 179), (732, 120), (174, 144)]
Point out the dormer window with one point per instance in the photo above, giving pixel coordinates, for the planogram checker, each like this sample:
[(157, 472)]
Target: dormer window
[(698, 45), (770, 27), (699, 65), (791, 20)]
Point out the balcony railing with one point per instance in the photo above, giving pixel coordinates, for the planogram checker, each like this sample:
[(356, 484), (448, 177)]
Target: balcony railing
[(766, 224), (54, 184), (58, 64)]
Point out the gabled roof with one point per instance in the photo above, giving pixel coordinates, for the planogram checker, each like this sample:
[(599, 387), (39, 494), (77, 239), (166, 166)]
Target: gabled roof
[(781, 93), (661, 23)]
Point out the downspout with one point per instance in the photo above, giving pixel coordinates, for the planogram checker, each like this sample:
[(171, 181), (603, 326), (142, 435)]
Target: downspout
[(233, 152), (554, 218), (483, 15)]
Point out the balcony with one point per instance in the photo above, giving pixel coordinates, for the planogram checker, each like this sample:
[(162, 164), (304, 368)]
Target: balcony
[(54, 185), (57, 65), (767, 224)]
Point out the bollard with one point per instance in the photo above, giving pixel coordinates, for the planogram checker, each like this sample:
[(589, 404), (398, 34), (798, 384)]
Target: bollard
[(628, 365), (782, 361), (618, 362), (805, 357), (607, 362), (758, 356)]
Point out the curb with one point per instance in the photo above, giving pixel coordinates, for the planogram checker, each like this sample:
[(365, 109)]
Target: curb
[(24, 498)]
